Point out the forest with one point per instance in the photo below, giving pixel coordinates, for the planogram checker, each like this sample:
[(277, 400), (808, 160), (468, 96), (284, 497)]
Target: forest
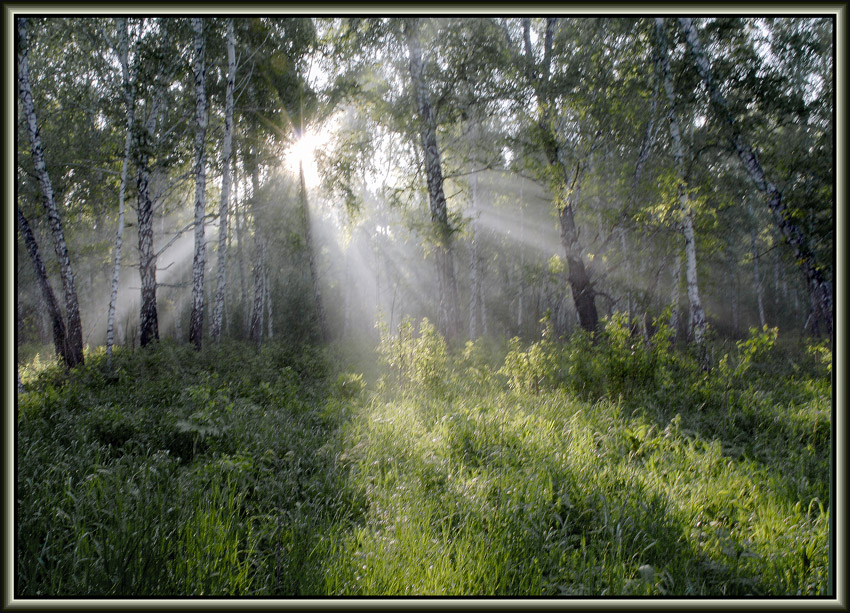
[(424, 305)]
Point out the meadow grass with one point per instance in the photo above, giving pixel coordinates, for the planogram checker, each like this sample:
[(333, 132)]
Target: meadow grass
[(561, 468)]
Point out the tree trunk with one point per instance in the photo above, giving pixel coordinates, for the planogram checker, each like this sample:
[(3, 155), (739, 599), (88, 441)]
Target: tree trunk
[(675, 293), (256, 327), (820, 290), (756, 275), (584, 295), (239, 214), (148, 318), (60, 342), (697, 319), (226, 153), (311, 257), (449, 321), (129, 103), (521, 293), (196, 324), (474, 281), (267, 292), (74, 329)]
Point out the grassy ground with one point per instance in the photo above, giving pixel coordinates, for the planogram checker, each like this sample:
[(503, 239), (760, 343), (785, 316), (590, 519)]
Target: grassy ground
[(615, 468)]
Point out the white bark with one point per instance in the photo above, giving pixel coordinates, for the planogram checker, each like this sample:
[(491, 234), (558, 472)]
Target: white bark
[(697, 315), (129, 102), (199, 261), (675, 293), (434, 175), (474, 282), (74, 328), (756, 275), (820, 290), (226, 154)]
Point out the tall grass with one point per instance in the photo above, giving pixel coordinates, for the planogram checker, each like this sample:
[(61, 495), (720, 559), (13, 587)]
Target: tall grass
[(614, 467)]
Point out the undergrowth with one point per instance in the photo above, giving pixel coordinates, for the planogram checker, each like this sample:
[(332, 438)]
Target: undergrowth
[(613, 465)]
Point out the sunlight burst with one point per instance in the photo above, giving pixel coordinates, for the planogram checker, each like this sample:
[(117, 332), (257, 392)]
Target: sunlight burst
[(303, 151)]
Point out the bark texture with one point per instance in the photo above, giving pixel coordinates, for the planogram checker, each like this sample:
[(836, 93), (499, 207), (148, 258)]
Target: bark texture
[(60, 342), (226, 155), (148, 317), (584, 295), (74, 328), (196, 323), (697, 314), (447, 286), (820, 290), (129, 103)]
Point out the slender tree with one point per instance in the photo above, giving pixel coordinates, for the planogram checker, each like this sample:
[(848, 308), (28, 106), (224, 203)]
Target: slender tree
[(443, 230), (820, 291), (311, 256), (697, 314), (196, 324), (74, 329), (129, 103), (569, 172), (226, 154), (148, 315), (60, 341)]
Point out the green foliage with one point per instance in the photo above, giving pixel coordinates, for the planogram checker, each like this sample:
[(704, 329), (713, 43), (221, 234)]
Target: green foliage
[(591, 466), (417, 358)]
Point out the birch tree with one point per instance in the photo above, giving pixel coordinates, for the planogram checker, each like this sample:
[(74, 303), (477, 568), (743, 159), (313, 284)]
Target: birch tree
[(311, 256), (226, 155), (148, 315), (443, 231), (568, 167), (74, 328), (820, 290), (199, 261), (697, 314), (60, 341), (129, 103)]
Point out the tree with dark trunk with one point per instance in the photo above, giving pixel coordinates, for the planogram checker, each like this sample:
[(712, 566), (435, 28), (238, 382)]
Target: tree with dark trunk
[(311, 256), (148, 317), (74, 329), (584, 295), (820, 290), (60, 341), (443, 231)]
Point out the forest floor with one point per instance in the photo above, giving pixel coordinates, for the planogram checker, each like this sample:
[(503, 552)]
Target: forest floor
[(561, 468)]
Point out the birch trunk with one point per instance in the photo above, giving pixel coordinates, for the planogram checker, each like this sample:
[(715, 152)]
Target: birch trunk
[(256, 327), (521, 260), (267, 291), (820, 290), (239, 214), (129, 103), (474, 282), (584, 295), (226, 154), (148, 318), (697, 315), (196, 324), (675, 294), (60, 341), (756, 275), (311, 256), (434, 174), (74, 329)]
